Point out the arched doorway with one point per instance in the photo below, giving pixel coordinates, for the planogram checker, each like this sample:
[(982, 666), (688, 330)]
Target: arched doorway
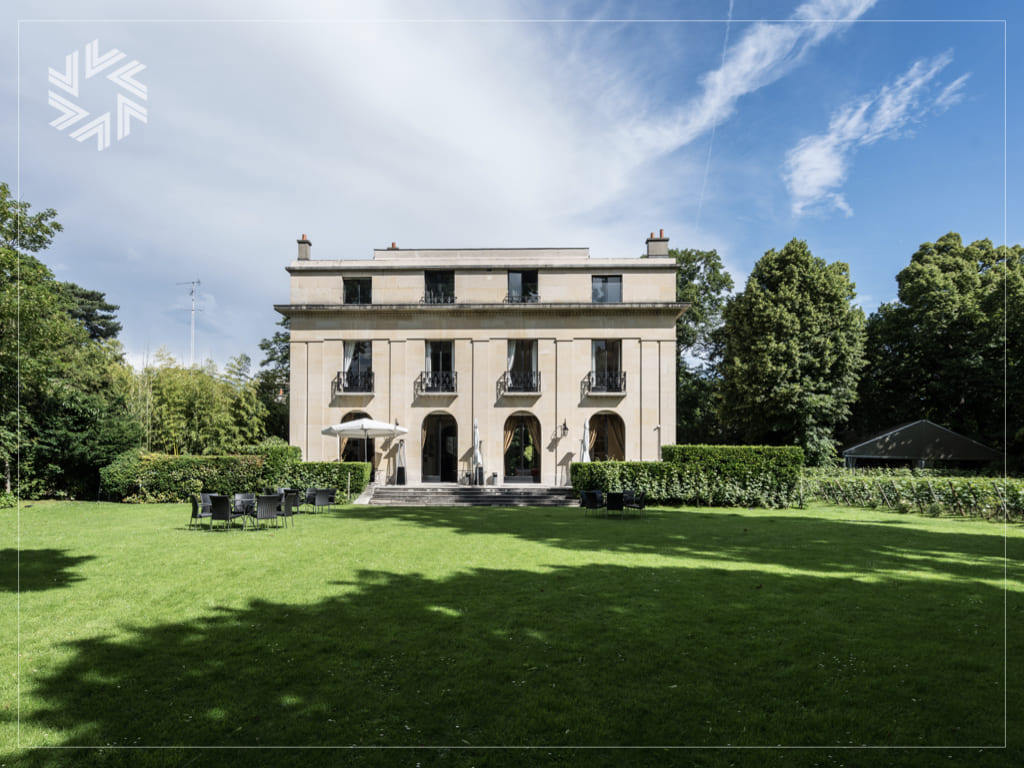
[(355, 448), (607, 437), (440, 449), (522, 448)]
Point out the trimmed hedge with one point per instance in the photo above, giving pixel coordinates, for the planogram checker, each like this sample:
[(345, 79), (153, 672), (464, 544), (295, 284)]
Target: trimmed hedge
[(328, 474), (712, 475), (928, 493), (140, 477)]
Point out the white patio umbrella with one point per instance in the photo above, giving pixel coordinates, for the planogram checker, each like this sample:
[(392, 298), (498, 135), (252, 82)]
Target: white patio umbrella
[(478, 459), (364, 428), (585, 443)]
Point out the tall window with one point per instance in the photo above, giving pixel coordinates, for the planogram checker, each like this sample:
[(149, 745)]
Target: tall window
[(606, 365), (357, 374), (523, 375), (605, 289), (439, 367), (357, 290), (522, 287), (439, 286)]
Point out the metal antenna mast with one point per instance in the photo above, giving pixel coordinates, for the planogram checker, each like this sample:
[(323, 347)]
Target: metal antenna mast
[(194, 290)]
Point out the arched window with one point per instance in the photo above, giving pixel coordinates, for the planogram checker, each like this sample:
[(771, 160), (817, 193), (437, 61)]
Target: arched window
[(607, 437), (355, 448), (522, 448), (440, 449)]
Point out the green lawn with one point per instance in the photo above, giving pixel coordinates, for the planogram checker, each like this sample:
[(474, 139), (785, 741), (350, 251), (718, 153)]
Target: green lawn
[(461, 629)]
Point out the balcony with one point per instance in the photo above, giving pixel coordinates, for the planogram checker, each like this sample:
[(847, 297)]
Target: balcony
[(519, 383), (606, 383), (352, 382), (436, 383), (524, 297), (438, 297)]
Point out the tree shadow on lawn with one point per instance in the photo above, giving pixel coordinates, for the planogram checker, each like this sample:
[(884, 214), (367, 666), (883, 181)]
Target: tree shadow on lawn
[(793, 540), (34, 570), (597, 655)]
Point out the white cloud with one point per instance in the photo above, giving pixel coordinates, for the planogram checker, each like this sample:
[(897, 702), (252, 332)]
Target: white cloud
[(818, 165), (764, 53)]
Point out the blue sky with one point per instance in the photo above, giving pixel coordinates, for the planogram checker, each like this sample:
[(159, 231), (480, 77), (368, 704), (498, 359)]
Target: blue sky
[(863, 127)]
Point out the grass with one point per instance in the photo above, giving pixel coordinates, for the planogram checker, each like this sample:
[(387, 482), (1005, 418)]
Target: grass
[(455, 629)]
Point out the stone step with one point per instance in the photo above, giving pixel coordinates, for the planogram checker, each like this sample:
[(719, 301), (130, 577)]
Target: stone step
[(474, 496)]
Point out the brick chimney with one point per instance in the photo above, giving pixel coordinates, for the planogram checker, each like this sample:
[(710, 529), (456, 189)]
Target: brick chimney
[(304, 245), (657, 246)]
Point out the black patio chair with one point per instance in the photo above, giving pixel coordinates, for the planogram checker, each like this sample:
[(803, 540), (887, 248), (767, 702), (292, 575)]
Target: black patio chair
[(199, 511), (593, 501), (220, 510), (636, 501), (324, 498), (289, 506), (266, 509), (310, 499), (245, 503)]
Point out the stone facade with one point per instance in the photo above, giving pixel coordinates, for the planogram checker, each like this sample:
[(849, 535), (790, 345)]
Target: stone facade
[(534, 345)]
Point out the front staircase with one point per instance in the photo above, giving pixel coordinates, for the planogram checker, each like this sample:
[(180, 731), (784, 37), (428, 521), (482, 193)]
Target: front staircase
[(473, 496)]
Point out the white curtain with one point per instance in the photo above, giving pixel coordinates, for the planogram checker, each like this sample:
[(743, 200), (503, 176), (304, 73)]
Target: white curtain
[(427, 363), (511, 354), (350, 347), (533, 356)]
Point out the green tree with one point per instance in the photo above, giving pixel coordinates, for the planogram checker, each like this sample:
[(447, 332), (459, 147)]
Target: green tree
[(793, 348), (937, 352), (61, 416), (93, 311), (703, 283), (273, 378)]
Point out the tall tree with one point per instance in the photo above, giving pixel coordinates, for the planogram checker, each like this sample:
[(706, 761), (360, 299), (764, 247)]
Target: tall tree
[(273, 378), (793, 348), (701, 281), (61, 414), (938, 351), (93, 311), (30, 315)]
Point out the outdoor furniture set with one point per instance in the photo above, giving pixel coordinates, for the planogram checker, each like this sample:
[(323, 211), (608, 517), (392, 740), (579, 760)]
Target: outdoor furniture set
[(618, 503), (254, 509)]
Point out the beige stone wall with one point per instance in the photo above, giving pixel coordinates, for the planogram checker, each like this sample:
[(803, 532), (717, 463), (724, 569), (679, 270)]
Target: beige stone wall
[(399, 327)]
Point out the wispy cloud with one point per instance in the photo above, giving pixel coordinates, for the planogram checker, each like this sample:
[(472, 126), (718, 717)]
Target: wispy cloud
[(818, 165), (763, 54)]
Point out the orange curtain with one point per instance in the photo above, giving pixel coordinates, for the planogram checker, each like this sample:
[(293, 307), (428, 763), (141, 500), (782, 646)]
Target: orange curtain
[(510, 432), (593, 436), (616, 438), (534, 428)]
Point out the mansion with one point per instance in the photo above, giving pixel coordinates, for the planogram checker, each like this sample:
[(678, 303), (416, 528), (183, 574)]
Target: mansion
[(550, 352)]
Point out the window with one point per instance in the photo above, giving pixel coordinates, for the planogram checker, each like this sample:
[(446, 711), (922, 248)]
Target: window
[(357, 374), (606, 359), (605, 289), (522, 287), (523, 375), (439, 286), (357, 290), (439, 373)]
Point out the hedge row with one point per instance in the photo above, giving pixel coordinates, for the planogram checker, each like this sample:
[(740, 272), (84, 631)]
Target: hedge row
[(720, 476), (933, 495), (140, 477)]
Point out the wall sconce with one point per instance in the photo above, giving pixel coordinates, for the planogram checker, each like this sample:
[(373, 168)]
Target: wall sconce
[(565, 428)]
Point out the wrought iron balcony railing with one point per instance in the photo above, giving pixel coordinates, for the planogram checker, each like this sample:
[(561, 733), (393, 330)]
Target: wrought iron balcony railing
[(523, 297), (437, 383), (520, 382), (438, 297), (348, 382), (606, 383)]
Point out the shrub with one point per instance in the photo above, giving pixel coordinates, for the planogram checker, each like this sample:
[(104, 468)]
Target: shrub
[(8, 500), (349, 475), (760, 476), (928, 491)]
